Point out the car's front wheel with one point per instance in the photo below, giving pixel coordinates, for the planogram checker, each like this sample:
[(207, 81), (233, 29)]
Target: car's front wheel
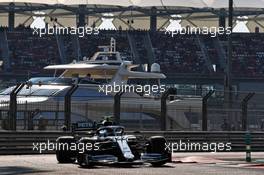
[(84, 160), (157, 144), (63, 152)]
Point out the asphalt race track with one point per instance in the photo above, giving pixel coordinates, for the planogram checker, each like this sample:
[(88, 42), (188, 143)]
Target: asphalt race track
[(47, 164)]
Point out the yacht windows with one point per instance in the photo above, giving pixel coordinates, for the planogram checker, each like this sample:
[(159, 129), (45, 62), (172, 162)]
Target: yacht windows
[(51, 80), (88, 80), (31, 91), (45, 92), (62, 81), (37, 92), (106, 57), (7, 91), (25, 91)]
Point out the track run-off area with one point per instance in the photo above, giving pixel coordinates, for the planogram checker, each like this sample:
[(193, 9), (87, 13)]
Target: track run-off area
[(183, 164)]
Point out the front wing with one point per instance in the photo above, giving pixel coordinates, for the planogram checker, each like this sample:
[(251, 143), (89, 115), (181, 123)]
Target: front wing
[(112, 160)]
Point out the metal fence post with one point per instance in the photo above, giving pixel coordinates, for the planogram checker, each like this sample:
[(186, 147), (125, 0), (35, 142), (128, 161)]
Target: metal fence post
[(204, 110), (25, 116), (57, 115), (13, 106), (117, 105), (67, 106), (244, 105), (163, 105)]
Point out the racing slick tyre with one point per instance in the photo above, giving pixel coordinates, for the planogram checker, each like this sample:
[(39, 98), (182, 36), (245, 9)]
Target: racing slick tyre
[(84, 159), (63, 152), (157, 145)]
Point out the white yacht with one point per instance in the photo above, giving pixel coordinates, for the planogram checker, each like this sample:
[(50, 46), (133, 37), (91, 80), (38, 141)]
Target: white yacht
[(89, 102)]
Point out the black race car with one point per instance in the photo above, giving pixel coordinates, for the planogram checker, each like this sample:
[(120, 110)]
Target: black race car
[(111, 146)]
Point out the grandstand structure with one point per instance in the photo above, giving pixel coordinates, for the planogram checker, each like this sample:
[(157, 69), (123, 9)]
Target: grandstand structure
[(139, 31), (130, 14)]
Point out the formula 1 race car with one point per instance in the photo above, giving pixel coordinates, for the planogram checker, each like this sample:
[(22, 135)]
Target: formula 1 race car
[(110, 146)]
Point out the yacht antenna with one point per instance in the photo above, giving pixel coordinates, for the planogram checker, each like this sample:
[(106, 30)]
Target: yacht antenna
[(112, 45)]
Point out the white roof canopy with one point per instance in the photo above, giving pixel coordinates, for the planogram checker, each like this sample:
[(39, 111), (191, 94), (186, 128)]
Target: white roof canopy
[(149, 3)]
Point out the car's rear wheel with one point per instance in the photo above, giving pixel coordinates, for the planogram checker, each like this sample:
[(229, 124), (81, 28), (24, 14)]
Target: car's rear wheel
[(63, 153)]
